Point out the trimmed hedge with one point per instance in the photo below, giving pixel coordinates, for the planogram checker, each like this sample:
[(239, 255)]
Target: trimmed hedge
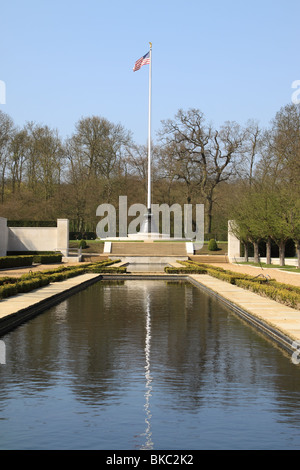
[(107, 262), (232, 278), (30, 284), (109, 269), (47, 259), (43, 257), (30, 252), (62, 276), (185, 270), (202, 265), (32, 223), (283, 293), (14, 285), (220, 273), (82, 235), (15, 261), (7, 290), (197, 268), (7, 280), (287, 294)]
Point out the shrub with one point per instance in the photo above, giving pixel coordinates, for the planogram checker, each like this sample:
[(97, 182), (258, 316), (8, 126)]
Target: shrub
[(15, 261), (110, 269), (48, 259), (30, 284), (106, 262), (82, 244), (32, 223), (283, 294), (185, 270), (20, 286), (13, 285), (29, 252), (201, 265), (56, 276), (212, 245), (89, 235), (8, 290), (44, 257), (7, 280)]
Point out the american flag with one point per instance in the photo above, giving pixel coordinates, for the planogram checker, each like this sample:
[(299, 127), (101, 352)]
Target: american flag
[(142, 61)]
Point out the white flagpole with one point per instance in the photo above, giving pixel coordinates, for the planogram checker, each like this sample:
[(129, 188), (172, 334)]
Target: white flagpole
[(149, 143)]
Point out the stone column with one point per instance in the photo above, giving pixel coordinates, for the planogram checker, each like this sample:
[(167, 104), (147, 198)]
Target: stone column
[(234, 245), (63, 236), (3, 236)]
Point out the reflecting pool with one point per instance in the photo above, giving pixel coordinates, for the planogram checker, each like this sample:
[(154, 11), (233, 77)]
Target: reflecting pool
[(145, 365)]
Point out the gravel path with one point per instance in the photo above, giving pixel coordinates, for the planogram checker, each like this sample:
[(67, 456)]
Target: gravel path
[(39, 267), (274, 273)]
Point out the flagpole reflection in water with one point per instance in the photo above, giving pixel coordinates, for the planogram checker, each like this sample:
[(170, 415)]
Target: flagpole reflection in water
[(148, 433)]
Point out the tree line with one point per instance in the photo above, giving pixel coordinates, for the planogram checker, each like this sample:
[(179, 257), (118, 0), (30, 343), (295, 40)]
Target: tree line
[(268, 208), (241, 172)]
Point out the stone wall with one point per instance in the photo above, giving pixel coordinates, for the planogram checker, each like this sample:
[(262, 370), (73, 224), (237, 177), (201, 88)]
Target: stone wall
[(34, 238), (234, 245)]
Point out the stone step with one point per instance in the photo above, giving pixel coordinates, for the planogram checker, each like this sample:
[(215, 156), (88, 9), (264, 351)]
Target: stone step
[(148, 249), (94, 258)]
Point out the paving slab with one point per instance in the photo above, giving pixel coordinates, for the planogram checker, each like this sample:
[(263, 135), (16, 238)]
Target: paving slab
[(20, 307), (268, 313)]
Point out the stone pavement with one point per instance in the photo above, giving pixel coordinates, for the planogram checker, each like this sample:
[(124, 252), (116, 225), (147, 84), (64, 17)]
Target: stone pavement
[(278, 321), (17, 308)]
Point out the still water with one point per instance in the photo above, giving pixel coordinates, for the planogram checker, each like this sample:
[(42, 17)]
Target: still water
[(145, 365)]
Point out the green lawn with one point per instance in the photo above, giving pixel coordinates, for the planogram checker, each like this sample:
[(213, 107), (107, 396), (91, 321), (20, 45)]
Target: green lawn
[(290, 268), (272, 266), (93, 246), (222, 249)]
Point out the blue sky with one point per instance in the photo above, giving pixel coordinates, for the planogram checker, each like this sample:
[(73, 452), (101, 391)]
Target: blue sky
[(63, 60)]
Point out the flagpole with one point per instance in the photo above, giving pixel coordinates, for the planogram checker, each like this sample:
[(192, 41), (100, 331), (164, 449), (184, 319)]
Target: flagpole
[(149, 143)]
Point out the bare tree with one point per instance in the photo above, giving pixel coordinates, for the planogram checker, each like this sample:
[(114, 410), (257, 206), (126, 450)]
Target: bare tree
[(96, 155), (101, 145), (281, 157), (204, 156), (6, 134), (137, 166), (18, 156), (45, 159), (252, 147)]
